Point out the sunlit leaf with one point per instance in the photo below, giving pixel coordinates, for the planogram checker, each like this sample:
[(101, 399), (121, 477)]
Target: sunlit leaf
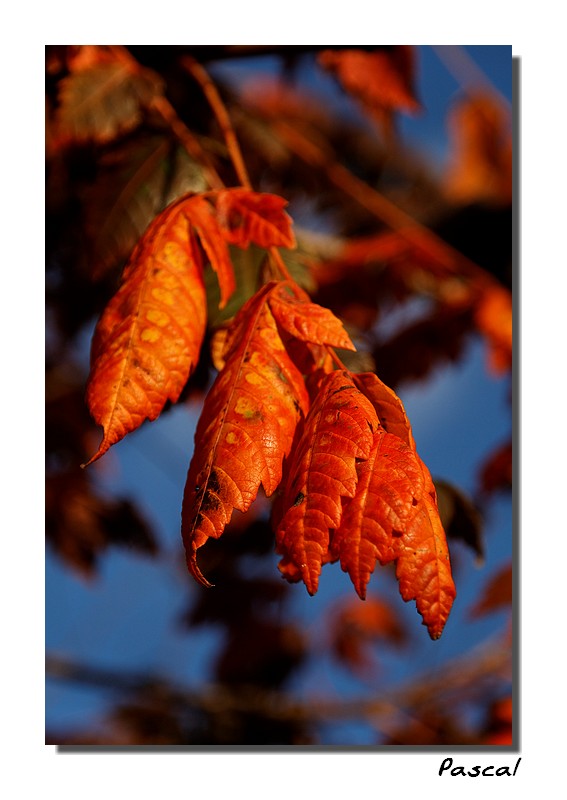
[(246, 426), (305, 320), (247, 216), (148, 340), (322, 471)]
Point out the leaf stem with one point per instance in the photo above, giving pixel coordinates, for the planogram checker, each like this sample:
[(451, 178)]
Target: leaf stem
[(188, 140), (337, 360), (219, 109), (280, 264)]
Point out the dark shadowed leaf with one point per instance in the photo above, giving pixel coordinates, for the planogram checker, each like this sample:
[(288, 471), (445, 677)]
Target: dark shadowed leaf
[(105, 100)]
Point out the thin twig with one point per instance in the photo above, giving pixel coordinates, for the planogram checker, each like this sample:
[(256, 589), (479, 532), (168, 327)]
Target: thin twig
[(219, 109), (280, 264), (188, 140)]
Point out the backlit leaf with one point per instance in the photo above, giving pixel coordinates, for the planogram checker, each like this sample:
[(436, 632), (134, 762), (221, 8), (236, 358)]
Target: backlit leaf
[(389, 483), (247, 217), (388, 406), (338, 430), (148, 340), (423, 567), (204, 220), (305, 320), (246, 427)]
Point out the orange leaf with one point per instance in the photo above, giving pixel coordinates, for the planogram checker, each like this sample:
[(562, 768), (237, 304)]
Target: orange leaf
[(388, 406), (338, 430), (381, 80), (148, 340), (203, 218), (246, 427), (493, 318), (423, 568), (247, 216), (305, 320), (480, 166), (390, 482)]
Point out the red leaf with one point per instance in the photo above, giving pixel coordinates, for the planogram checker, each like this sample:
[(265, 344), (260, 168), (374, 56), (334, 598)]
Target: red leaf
[(337, 431), (381, 80), (202, 216), (305, 320), (394, 516), (246, 426), (388, 406), (148, 339), (389, 483), (423, 567), (247, 216)]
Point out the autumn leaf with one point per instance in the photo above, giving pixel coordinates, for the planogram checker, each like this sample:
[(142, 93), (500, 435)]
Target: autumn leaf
[(305, 320), (423, 567), (493, 318), (388, 406), (246, 426), (204, 220), (239, 217), (480, 165), (135, 181), (247, 217), (148, 340), (382, 80), (81, 524), (389, 482), (104, 99), (393, 516), (436, 339), (338, 430), (461, 519)]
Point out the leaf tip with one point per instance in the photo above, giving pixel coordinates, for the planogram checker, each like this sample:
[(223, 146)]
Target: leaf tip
[(100, 452), (196, 572)]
